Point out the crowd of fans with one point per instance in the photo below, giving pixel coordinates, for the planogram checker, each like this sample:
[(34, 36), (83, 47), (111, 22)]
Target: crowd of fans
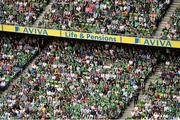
[(15, 53), (172, 30), (127, 17), (86, 80), (162, 100), (21, 12), (119, 17), (73, 79)]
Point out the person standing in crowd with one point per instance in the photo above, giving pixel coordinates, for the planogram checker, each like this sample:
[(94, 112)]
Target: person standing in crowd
[(135, 98)]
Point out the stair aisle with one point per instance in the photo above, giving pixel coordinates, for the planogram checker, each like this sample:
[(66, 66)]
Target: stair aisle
[(165, 20), (151, 78), (48, 7)]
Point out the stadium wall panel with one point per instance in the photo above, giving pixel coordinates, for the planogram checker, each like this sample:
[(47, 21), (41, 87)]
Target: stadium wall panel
[(91, 36), (0, 27)]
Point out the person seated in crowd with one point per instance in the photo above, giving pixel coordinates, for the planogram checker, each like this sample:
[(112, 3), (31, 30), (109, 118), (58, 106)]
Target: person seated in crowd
[(119, 17), (15, 53), (161, 101), (21, 12), (73, 79), (172, 29)]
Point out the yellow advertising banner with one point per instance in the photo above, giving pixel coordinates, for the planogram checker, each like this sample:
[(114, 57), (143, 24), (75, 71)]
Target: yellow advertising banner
[(128, 40), (0, 27), (175, 44), (8, 28), (90, 36), (37, 31), (31, 30), (151, 42)]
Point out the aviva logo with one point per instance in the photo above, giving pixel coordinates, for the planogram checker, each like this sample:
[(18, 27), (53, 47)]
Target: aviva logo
[(153, 42), (29, 30), (137, 40)]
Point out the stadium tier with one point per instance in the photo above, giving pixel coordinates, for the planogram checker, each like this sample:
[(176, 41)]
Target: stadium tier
[(89, 59), (21, 12), (78, 80), (172, 30), (132, 18), (161, 100), (125, 17), (128, 18), (15, 54)]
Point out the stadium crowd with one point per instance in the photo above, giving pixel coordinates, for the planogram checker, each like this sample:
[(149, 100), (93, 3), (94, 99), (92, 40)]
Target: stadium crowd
[(162, 101), (15, 53), (21, 12), (127, 17), (172, 30), (73, 79), (115, 17)]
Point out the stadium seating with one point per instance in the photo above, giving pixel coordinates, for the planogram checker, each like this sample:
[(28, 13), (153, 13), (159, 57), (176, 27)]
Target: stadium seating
[(43, 77), (125, 17), (14, 55), (21, 12), (78, 80), (172, 30), (162, 99)]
